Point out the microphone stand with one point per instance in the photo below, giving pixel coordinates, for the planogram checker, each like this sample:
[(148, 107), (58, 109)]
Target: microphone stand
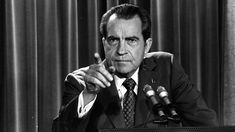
[(161, 118), (163, 94), (165, 120), (173, 117)]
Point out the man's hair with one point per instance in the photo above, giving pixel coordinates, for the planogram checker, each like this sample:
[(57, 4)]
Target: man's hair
[(127, 11)]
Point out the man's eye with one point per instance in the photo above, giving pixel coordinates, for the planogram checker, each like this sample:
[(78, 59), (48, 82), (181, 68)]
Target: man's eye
[(131, 41), (113, 41)]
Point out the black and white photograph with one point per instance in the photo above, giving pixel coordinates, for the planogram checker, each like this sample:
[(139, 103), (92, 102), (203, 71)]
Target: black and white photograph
[(117, 65)]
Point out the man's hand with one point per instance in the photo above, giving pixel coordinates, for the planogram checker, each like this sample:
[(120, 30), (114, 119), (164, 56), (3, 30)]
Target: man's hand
[(97, 76)]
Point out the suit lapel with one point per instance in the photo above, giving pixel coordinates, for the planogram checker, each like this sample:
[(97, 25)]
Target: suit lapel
[(144, 106), (112, 106)]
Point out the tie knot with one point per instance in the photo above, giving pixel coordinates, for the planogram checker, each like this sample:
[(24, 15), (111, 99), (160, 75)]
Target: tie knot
[(129, 84)]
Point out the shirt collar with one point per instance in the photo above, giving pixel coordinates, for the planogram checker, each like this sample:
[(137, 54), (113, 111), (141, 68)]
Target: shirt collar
[(119, 81)]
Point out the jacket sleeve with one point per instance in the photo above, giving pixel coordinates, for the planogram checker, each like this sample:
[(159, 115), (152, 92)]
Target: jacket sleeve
[(189, 102), (67, 120)]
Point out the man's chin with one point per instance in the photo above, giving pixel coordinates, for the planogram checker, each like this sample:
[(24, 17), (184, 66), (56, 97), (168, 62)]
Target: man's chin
[(123, 69), (124, 72)]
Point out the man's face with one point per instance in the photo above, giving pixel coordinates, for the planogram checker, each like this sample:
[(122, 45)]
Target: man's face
[(124, 45)]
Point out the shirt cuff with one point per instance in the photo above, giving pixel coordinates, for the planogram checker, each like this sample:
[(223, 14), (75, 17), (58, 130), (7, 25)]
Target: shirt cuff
[(83, 110)]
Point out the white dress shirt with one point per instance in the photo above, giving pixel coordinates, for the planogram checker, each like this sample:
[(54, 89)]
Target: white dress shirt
[(83, 110)]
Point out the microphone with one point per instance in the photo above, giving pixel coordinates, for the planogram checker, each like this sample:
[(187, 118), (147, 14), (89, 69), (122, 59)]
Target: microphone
[(163, 94), (150, 93)]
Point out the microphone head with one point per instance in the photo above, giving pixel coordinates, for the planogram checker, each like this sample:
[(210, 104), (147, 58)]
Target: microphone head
[(162, 92), (148, 90)]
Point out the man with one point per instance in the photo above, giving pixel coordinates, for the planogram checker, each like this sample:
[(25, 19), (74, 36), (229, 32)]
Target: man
[(109, 93)]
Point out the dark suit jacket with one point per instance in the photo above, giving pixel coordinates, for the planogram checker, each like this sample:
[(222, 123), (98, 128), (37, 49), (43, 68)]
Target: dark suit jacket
[(157, 69)]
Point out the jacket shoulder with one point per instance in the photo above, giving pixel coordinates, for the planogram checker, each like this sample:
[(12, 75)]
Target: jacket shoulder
[(159, 59), (159, 55)]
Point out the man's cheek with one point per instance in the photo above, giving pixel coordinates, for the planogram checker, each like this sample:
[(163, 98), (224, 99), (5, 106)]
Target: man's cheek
[(109, 55)]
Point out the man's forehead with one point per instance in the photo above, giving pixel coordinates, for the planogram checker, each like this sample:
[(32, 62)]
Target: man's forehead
[(124, 27)]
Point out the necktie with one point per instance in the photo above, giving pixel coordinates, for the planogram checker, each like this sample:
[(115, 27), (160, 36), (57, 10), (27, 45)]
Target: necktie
[(129, 103)]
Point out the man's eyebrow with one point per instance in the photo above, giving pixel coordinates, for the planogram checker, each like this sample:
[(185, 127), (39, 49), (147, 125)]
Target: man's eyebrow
[(112, 37), (133, 37), (130, 37)]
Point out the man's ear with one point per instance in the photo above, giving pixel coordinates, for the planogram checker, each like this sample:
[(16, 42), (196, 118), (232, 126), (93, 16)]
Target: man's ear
[(148, 45), (103, 41)]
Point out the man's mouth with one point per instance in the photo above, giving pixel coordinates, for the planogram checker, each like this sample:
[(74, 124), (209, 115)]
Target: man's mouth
[(122, 60)]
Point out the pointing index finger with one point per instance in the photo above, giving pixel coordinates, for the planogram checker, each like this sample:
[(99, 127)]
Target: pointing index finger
[(97, 58), (106, 72)]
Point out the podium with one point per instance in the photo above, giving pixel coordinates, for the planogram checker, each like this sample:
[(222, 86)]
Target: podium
[(175, 129)]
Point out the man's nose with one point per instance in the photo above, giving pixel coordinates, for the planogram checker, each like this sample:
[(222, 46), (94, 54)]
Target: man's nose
[(122, 47)]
